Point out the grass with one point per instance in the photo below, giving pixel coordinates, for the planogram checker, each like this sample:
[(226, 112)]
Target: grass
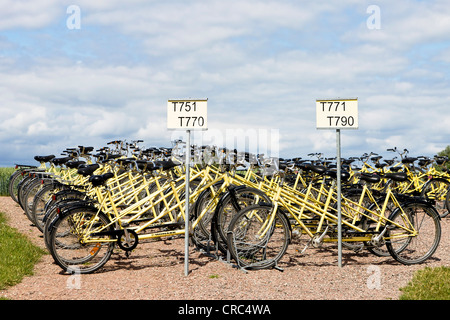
[(428, 284), (5, 173), (17, 255)]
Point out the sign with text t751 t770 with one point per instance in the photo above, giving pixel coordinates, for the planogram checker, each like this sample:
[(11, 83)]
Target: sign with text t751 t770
[(337, 114), (187, 114)]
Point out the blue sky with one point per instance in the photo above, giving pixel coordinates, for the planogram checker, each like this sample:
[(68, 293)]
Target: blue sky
[(261, 64)]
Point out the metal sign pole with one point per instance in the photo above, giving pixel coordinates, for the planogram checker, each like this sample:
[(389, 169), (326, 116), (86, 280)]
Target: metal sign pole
[(186, 212), (338, 176), (337, 114), (187, 114)]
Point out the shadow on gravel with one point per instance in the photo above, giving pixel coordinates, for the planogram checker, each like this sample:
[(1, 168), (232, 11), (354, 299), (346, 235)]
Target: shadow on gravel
[(161, 254)]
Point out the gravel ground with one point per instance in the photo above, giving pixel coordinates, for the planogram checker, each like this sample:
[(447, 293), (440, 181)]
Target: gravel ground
[(155, 271)]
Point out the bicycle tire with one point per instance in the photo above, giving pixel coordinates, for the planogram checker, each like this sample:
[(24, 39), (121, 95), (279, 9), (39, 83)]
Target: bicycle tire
[(251, 250), (380, 250), (434, 190), (22, 187), (52, 212), (65, 193), (229, 205), (13, 183), (408, 249), (202, 232), (26, 184), (66, 248), (40, 201), (29, 195)]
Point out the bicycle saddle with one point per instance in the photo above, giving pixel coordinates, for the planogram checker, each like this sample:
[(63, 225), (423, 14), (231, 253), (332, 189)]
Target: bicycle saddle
[(85, 150), (98, 180), (333, 174), (109, 156), (370, 177), (282, 165), (125, 161), (74, 164), (87, 170), (146, 165), (409, 160), (424, 162), (348, 161), (166, 164), (317, 169), (44, 158), (397, 176), (60, 161)]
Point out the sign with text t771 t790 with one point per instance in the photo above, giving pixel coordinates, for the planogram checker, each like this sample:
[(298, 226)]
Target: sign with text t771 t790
[(337, 114), (187, 114)]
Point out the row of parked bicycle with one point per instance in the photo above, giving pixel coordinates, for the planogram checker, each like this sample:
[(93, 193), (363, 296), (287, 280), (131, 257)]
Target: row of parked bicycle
[(243, 205)]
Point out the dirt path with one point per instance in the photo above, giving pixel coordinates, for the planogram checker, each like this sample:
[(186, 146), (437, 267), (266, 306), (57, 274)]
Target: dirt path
[(155, 271)]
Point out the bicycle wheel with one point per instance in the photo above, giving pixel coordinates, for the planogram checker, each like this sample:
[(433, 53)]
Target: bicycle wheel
[(54, 210), (408, 248), (40, 201), (380, 249), (229, 205), (354, 215), (436, 190), (30, 195), (205, 206), (257, 237), (13, 183), (72, 244), (21, 188)]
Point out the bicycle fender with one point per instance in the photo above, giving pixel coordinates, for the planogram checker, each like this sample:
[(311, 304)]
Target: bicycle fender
[(434, 179), (416, 200), (195, 209), (433, 208), (226, 195), (65, 205), (265, 204), (67, 210), (82, 204), (51, 224), (222, 199), (231, 193), (420, 201)]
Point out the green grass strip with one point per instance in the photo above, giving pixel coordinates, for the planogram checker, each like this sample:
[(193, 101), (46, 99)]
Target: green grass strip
[(428, 284), (17, 255), (5, 173)]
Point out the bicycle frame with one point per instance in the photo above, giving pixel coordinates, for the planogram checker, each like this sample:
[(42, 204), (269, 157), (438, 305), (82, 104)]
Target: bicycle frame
[(327, 214)]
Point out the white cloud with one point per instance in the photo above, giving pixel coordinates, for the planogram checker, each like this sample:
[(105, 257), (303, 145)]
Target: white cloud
[(260, 64), (405, 24), (27, 14)]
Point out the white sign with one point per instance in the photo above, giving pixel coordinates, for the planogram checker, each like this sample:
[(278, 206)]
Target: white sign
[(187, 114), (337, 114)]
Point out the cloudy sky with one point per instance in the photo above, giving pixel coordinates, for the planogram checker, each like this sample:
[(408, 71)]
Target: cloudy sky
[(84, 72)]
